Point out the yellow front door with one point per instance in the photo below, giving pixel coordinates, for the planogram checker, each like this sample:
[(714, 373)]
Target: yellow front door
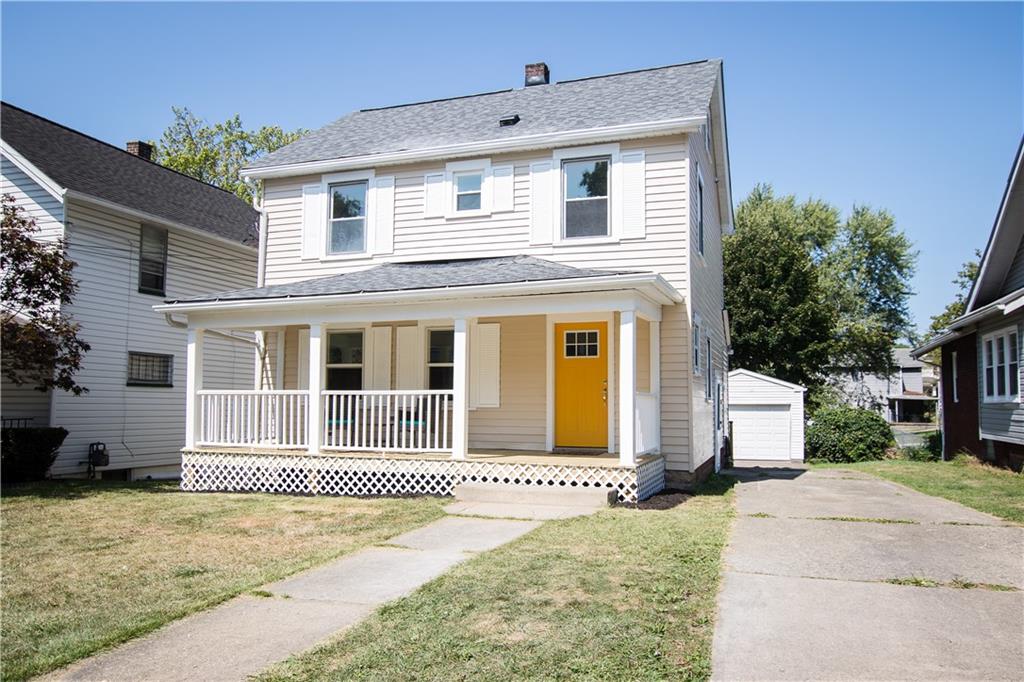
[(581, 385)]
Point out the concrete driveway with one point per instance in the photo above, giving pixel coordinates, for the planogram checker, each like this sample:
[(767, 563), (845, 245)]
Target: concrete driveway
[(823, 575)]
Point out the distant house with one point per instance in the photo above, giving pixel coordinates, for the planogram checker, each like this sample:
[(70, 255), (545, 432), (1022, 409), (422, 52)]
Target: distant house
[(981, 350), (909, 395), (521, 287), (139, 233)]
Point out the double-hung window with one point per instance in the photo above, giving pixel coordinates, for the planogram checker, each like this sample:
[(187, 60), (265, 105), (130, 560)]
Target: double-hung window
[(347, 224), (1000, 356), (585, 197), (468, 191), (441, 359), (696, 346), (153, 260), (345, 361)]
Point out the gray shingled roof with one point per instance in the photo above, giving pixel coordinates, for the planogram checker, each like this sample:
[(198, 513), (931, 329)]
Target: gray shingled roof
[(84, 164), (658, 94), (411, 276)]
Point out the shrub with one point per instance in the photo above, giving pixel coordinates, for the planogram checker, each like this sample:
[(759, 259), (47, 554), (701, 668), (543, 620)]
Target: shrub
[(27, 453), (847, 434)]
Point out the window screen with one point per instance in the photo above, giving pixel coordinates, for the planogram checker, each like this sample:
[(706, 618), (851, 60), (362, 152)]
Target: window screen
[(150, 369)]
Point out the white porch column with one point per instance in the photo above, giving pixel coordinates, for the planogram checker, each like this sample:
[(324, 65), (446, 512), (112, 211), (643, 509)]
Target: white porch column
[(460, 384), (656, 376), (314, 413), (627, 388), (193, 384)]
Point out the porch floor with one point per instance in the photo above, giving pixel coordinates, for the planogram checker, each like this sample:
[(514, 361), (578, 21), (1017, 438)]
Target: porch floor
[(540, 457)]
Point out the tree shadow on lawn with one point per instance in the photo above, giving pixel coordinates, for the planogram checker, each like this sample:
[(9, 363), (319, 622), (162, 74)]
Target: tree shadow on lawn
[(80, 489)]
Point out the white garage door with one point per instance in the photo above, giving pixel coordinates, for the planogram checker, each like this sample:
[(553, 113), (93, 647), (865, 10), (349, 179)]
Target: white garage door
[(760, 431)]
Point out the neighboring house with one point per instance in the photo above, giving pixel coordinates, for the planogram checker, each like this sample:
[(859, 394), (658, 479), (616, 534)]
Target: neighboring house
[(523, 286), (981, 350), (909, 395), (138, 232)]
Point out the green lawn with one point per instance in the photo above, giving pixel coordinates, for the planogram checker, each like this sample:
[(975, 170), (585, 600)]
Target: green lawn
[(625, 594), (88, 564), (965, 480)]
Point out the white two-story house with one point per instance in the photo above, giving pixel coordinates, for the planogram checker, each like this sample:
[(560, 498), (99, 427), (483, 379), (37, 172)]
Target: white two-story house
[(523, 286), (138, 232)]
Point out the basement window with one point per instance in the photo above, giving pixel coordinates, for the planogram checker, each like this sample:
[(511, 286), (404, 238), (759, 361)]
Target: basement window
[(150, 369)]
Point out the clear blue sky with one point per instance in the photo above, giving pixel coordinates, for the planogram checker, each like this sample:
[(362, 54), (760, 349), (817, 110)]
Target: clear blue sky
[(913, 107)]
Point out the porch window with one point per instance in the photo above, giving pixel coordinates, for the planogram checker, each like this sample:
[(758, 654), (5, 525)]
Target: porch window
[(150, 369), (585, 198), (441, 360), (1001, 363), (345, 361), (347, 231), (468, 191), (152, 260)]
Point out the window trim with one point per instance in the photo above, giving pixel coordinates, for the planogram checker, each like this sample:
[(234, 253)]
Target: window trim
[(454, 168), (563, 200), (614, 186), (428, 364), (147, 290), (363, 366), (169, 383), (369, 245), (1000, 340)]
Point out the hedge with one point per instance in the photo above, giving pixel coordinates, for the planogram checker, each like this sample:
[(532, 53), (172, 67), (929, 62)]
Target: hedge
[(847, 434), (27, 453)]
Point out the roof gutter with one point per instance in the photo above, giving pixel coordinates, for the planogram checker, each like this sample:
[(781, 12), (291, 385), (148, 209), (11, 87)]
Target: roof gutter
[(663, 290), (963, 324), (478, 148)]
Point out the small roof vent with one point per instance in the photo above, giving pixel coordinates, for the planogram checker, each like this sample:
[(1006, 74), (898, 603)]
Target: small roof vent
[(506, 121)]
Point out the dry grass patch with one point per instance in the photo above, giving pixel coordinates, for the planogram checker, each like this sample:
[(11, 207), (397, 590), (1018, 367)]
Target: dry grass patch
[(625, 594), (88, 564)]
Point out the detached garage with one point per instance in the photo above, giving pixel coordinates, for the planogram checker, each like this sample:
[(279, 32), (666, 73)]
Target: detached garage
[(767, 416)]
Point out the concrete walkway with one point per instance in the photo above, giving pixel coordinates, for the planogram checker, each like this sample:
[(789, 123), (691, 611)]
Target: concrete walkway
[(249, 633), (805, 598)]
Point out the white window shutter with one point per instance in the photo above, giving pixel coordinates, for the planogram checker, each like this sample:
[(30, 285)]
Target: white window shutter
[(433, 195), (485, 366), (303, 379), (503, 179), (384, 214), (633, 195), (542, 204), (380, 365), (409, 359), (313, 218)]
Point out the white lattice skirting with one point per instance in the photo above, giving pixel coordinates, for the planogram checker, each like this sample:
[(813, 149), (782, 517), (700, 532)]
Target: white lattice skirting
[(338, 475)]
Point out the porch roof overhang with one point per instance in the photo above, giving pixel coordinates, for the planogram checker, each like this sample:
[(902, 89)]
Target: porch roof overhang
[(565, 289)]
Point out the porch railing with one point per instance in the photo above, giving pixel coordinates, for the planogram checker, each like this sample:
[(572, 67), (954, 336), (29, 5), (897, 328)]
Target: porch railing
[(648, 438), (398, 421), (253, 418)]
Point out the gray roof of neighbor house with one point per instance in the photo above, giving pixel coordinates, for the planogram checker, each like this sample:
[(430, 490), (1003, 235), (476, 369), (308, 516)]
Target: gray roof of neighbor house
[(411, 276), (903, 357), (658, 94), (86, 165)]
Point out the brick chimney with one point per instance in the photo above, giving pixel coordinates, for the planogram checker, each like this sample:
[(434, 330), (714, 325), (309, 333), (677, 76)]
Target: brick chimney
[(537, 74), (141, 149)]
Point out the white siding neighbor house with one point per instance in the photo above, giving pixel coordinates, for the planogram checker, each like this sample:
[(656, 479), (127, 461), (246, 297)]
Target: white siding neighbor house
[(767, 417), (518, 287), (138, 233)]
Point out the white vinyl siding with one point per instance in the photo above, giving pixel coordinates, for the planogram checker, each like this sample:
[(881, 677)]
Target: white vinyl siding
[(142, 426), (421, 233), (43, 207)]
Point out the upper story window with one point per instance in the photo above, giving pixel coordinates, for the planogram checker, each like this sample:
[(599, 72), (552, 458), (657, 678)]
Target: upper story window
[(700, 211), (153, 260), (345, 361), (468, 191), (1001, 362), (347, 230), (441, 359), (585, 198)]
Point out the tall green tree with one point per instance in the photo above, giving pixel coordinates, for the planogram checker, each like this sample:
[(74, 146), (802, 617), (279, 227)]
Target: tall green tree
[(781, 321), (41, 346), (216, 153), (964, 280)]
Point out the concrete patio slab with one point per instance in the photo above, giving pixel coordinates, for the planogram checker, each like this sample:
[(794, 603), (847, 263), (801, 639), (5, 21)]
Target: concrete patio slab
[(871, 551), (463, 534), (781, 628)]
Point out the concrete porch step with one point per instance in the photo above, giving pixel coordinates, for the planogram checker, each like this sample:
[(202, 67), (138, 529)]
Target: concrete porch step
[(529, 502)]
